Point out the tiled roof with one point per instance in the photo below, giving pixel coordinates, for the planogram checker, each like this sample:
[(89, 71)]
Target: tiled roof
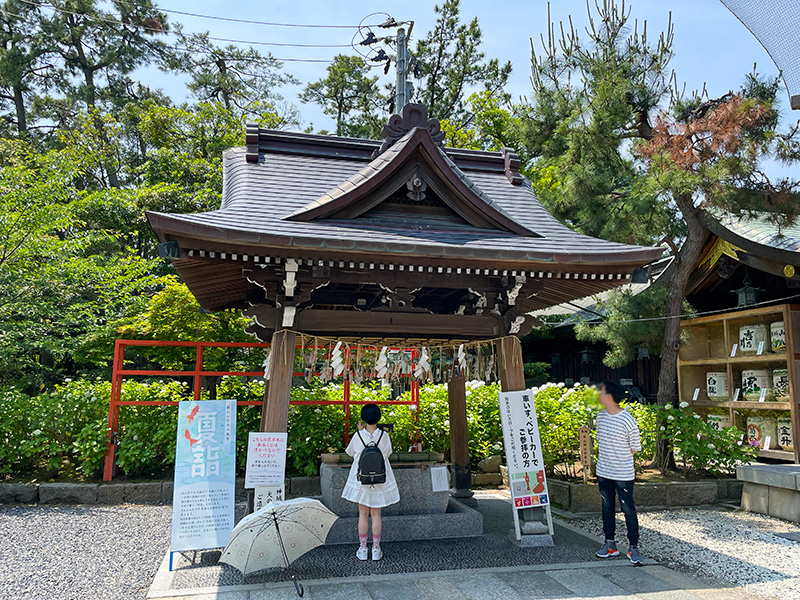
[(760, 230), (257, 198)]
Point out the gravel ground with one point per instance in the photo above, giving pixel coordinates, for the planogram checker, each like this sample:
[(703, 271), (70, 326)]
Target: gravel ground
[(739, 548), (81, 552)]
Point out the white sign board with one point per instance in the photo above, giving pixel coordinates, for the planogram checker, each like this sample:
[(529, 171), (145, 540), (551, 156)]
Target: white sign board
[(205, 472), (439, 479), (266, 459), (524, 456), (264, 494)]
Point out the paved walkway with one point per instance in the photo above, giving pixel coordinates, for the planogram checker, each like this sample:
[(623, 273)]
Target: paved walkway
[(617, 580)]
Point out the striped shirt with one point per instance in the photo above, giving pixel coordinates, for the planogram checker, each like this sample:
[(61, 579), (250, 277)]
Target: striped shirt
[(617, 437)]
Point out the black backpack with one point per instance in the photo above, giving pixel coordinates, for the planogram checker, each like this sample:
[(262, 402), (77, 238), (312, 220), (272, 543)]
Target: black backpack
[(371, 466)]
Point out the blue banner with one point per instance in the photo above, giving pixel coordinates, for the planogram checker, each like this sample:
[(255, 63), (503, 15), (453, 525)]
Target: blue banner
[(205, 475)]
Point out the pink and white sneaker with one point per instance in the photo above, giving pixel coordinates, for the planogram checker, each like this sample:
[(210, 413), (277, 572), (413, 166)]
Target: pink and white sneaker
[(361, 554), (377, 553)]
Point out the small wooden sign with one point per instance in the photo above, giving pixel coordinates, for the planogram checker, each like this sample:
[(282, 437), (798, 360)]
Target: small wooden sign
[(733, 350), (736, 395), (696, 394), (767, 442), (585, 437), (586, 446), (763, 396), (760, 348)]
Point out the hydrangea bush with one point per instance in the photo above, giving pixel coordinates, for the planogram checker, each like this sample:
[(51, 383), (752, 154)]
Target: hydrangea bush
[(65, 430)]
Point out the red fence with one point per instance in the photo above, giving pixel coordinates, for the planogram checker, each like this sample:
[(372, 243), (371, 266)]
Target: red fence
[(119, 373)]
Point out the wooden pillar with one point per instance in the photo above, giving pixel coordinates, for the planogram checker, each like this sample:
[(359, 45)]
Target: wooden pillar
[(459, 438), (275, 411), (509, 364)]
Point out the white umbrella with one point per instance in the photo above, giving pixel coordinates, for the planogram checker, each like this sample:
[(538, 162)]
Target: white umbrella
[(277, 535)]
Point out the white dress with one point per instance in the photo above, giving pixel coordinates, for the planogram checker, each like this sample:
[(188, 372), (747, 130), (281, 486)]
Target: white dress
[(377, 495)]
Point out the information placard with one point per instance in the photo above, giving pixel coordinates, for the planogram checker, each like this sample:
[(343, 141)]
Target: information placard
[(205, 473), (266, 459), (268, 493), (439, 480), (523, 449)]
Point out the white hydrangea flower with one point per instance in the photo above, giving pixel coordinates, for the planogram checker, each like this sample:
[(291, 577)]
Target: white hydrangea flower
[(447, 422), (663, 428), (668, 406), (696, 416), (683, 404), (561, 384), (670, 418), (711, 446)]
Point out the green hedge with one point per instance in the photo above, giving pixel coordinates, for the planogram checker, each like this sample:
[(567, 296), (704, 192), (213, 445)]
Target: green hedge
[(63, 433)]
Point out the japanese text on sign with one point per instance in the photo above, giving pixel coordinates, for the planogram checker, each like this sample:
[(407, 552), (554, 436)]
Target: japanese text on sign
[(266, 459), (523, 449), (205, 469)]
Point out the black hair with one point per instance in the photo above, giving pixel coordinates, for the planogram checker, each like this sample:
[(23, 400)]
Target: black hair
[(615, 390), (371, 414)]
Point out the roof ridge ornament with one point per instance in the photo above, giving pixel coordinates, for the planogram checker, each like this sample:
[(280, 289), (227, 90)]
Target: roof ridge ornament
[(411, 116)]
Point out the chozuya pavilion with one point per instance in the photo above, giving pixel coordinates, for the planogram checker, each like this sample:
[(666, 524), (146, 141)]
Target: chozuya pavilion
[(400, 242)]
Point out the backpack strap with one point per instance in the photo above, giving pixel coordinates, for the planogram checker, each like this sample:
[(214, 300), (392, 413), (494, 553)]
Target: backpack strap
[(361, 438)]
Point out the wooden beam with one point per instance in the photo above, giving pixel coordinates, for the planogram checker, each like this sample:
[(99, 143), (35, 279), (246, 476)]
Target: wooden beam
[(459, 438), (405, 323), (275, 410), (510, 367)]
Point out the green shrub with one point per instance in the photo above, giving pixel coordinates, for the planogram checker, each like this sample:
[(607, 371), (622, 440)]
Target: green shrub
[(15, 430), (700, 447)]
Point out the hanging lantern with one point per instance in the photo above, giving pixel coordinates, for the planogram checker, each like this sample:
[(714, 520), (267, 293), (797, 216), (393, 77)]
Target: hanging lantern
[(748, 295), (587, 356), (643, 352)]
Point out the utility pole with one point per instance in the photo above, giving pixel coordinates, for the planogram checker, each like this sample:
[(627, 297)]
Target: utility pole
[(402, 69)]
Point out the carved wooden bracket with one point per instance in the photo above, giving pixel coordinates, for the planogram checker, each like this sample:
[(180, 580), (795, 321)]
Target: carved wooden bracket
[(512, 164), (416, 186)]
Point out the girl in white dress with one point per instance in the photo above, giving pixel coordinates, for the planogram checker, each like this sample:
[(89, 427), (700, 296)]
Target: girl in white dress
[(370, 498)]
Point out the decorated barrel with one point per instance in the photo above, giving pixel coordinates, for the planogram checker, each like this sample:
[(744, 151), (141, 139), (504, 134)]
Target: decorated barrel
[(719, 422), (761, 428), (785, 439), (717, 385), (753, 381), (780, 384), (777, 337), (750, 336)]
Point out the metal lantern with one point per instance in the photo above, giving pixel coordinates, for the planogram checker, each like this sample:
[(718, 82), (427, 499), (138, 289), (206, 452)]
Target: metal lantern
[(748, 295), (587, 356)]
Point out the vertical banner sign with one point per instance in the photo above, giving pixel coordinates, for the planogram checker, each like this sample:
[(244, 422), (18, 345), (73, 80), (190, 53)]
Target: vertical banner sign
[(266, 459), (524, 455), (205, 472)]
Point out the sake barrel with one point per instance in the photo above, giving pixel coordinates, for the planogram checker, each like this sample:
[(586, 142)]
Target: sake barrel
[(785, 438), (753, 381), (780, 383), (717, 385), (719, 422), (750, 336), (759, 428), (777, 337)]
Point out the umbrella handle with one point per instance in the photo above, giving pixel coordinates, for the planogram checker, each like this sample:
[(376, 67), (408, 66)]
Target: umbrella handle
[(298, 587)]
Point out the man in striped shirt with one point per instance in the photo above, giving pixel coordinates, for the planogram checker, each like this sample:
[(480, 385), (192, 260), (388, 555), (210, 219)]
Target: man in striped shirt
[(617, 441)]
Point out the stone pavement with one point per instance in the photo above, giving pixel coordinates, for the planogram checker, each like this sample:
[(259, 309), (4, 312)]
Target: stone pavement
[(617, 580)]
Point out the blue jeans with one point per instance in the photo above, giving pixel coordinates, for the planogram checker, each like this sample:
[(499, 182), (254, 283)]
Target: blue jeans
[(624, 490)]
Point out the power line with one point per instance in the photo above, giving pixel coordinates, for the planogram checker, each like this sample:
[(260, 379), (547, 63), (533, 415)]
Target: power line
[(181, 48), (217, 39), (231, 20)]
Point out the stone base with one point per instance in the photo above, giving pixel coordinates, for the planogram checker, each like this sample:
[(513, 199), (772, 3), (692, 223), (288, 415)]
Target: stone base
[(531, 541), (414, 481), (771, 490), (458, 522)]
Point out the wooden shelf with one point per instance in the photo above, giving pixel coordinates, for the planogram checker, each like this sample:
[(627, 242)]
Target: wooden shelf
[(777, 454), (745, 405), (736, 360), (709, 341)]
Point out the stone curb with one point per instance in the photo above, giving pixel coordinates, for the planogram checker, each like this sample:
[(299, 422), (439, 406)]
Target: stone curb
[(154, 492), (581, 498)]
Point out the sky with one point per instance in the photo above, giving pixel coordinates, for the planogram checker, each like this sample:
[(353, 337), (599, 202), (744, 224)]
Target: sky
[(711, 46)]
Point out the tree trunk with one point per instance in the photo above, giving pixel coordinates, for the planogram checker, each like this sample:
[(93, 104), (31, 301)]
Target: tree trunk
[(19, 104), (684, 265)]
